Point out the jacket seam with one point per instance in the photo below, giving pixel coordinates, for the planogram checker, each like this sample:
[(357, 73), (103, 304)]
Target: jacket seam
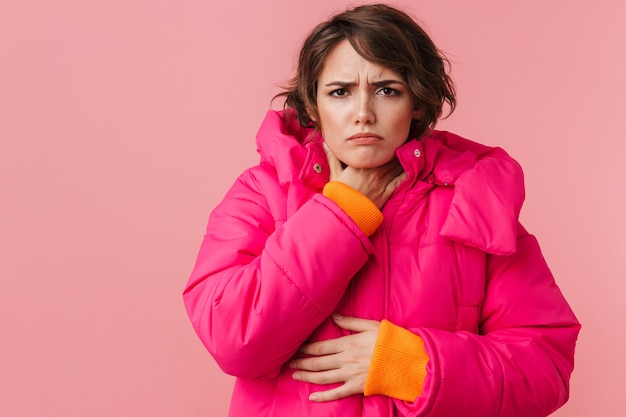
[(293, 282)]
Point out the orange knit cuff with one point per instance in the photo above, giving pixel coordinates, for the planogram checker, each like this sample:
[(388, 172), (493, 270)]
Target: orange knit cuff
[(398, 366), (360, 208)]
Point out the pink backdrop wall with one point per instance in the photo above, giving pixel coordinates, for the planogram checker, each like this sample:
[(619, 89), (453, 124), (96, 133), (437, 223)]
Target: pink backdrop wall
[(122, 123)]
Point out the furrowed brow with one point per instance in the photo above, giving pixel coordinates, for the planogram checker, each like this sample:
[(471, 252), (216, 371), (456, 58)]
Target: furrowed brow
[(342, 84), (385, 83), (381, 83)]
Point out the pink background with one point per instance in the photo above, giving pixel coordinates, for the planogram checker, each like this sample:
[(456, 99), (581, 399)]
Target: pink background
[(122, 123)]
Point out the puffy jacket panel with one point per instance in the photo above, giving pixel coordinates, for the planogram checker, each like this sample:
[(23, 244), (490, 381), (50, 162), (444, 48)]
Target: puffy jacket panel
[(450, 263)]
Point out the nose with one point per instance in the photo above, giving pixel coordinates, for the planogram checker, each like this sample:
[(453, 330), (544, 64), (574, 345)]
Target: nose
[(364, 112)]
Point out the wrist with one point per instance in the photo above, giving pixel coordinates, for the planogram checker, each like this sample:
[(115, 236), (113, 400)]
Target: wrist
[(361, 209)]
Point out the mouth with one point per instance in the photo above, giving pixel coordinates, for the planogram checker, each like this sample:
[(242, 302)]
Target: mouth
[(365, 138)]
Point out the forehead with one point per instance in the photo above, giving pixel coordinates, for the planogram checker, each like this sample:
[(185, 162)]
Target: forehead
[(344, 62)]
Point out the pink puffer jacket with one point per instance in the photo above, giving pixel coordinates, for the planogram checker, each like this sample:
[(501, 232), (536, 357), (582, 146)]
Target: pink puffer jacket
[(450, 263)]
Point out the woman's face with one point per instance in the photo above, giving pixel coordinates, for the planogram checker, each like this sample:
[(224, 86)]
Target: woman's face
[(365, 109)]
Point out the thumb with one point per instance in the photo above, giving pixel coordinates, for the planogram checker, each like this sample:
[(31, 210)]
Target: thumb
[(355, 324), (333, 163), (396, 181)]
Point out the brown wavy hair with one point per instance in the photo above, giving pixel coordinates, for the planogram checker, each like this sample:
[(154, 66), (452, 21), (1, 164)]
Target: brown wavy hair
[(388, 37)]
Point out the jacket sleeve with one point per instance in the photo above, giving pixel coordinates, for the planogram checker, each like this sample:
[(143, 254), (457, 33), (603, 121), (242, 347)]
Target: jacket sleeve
[(261, 284), (520, 362)]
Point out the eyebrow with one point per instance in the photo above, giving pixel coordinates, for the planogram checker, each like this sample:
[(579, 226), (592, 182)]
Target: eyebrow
[(381, 83)]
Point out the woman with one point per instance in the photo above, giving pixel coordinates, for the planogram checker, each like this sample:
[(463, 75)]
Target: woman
[(370, 265)]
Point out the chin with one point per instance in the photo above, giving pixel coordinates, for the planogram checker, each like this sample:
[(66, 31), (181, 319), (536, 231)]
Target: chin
[(363, 165), (366, 163)]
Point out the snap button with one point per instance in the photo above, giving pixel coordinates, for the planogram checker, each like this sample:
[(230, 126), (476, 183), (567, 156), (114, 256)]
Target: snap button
[(417, 153), (317, 168)]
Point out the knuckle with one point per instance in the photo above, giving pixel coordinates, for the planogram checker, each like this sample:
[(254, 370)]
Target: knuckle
[(339, 393), (317, 349), (323, 379), (303, 376), (315, 363), (311, 349)]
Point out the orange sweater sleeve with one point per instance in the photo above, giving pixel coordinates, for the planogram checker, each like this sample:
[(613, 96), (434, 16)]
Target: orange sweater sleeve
[(398, 366), (360, 208)]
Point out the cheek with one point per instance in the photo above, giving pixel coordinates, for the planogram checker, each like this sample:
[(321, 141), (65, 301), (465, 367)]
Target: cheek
[(333, 144), (404, 121), (331, 127)]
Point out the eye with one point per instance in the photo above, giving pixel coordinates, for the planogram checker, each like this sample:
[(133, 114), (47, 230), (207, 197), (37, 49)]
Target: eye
[(340, 92), (388, 91)]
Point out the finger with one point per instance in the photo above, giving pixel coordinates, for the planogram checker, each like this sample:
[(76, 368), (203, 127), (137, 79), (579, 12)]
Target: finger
[(396, 181), (388, 171), (391, 165), (325, 347), (355, 324), (316, 363), (337, 393), (332, 376), (393, 169)]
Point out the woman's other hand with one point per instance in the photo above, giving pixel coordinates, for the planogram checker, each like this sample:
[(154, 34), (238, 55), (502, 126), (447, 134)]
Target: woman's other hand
[(343, 360), (377, 184)]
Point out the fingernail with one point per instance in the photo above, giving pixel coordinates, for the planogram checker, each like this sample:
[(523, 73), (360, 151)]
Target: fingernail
[(337, 316), (292, 364), (296, 376), (313, 397)]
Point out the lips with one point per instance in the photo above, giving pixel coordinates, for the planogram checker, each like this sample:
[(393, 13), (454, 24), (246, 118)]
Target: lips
[(365, 138)]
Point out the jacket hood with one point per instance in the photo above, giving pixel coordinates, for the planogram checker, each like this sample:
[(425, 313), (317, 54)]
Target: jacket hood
[(487, 220)]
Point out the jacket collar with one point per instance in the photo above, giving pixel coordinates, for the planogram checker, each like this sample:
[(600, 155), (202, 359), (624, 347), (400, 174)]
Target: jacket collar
[(488, 185)]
